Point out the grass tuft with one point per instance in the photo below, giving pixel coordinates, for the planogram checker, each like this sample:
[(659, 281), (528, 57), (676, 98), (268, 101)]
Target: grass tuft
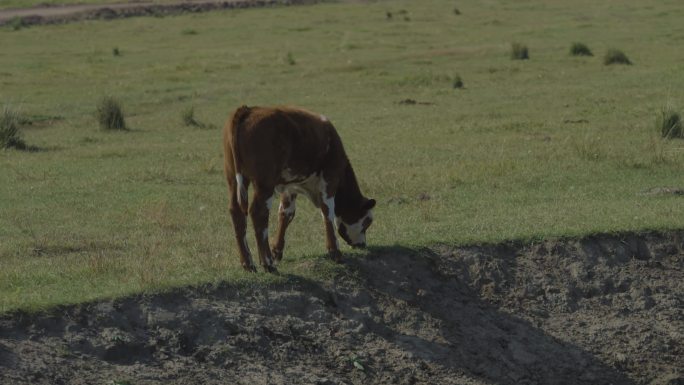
[(289, 59), (457, 11), (457, 82), (10, 130), (110, 114), (17, 23), (188, 118), (669, 123), (519, 52), (589, 149), (580, 49), (615, 56), (116, 52)]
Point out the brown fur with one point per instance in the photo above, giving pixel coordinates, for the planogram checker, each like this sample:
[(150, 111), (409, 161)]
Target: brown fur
[(267, 144)]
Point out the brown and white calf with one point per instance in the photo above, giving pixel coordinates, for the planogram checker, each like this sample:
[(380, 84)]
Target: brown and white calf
[(290, 151)]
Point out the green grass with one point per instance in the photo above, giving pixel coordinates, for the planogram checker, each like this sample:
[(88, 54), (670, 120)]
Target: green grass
[(548, 147)]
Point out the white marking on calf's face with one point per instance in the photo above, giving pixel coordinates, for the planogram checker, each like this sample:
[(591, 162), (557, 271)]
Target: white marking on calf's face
[(355, 231)]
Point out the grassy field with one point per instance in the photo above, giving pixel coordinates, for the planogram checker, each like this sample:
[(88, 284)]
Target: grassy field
[(551, 146)]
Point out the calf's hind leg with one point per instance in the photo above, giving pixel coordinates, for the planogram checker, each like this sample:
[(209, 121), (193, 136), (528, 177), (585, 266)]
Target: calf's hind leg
[(240, 225), (258, 211)]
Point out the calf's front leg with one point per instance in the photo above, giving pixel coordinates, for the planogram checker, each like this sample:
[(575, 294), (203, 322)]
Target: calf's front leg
[(328, 212), (286, 212)]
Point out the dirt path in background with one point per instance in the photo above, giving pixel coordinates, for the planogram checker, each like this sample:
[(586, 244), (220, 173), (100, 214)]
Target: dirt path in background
[(67, 13), (598, 310)]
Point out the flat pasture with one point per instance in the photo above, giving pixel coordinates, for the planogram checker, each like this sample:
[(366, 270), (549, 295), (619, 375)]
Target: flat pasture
[(529, 219), (553, 146)]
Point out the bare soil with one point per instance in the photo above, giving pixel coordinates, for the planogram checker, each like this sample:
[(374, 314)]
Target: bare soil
[(605, 309), (75, 12)]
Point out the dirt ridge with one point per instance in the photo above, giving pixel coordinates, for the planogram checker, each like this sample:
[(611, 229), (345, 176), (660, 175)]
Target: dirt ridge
[(602, 309)]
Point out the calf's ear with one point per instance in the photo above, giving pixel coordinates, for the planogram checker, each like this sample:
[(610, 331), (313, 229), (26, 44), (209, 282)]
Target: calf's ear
[(369, 204)]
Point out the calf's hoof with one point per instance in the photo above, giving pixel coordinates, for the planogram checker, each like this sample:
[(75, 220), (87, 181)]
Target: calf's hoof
[(335, 255), (270, 269), (277, 254), (249, 268)]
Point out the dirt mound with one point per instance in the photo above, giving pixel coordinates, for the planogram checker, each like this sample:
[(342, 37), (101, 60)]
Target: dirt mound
[(600, 310)]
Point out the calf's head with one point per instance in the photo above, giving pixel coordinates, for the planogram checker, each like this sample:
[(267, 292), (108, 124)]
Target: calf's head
[(352, 223)]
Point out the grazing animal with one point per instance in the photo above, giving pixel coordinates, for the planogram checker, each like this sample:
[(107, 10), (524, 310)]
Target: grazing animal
[(290, 151)]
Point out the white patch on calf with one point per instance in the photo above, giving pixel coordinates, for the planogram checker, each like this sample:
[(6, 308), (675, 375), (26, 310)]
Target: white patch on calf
[(269, 203), (309, 186), (264, 235), (329, 202), (242, 191), (289, 210), (288, 176), (324, 118)]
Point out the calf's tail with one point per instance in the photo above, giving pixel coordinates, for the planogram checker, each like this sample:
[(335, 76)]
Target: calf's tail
[(238, 119)]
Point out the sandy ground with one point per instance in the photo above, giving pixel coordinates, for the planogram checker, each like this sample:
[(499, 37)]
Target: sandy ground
[(75, 12), (598, 310)]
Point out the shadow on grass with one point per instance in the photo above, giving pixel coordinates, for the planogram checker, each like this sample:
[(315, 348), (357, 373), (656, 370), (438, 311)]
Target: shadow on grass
[(20, 145)]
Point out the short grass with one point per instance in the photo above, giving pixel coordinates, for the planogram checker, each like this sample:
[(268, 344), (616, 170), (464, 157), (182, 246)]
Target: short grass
[(548, 147)]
